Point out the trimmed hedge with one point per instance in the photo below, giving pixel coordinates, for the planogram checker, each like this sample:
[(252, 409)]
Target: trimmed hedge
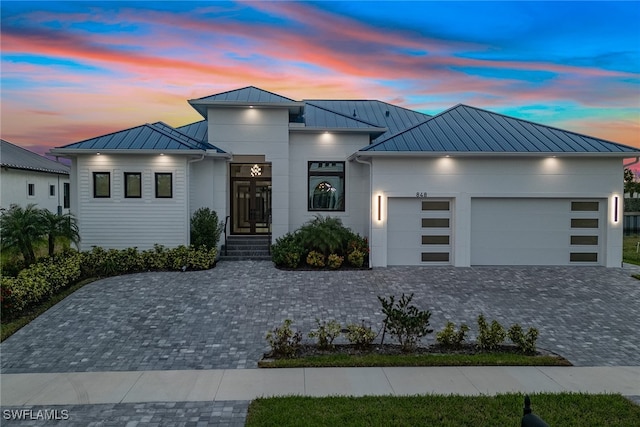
[(47, 277)]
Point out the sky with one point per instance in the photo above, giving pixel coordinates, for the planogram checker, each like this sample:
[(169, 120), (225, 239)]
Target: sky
[(80, 69)]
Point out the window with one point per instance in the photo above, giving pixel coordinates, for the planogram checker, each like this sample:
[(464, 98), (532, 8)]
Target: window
[(326, 186), (52, 190), (164, 185), (31, 190), (132, 185), (67, 195), (101, 184)]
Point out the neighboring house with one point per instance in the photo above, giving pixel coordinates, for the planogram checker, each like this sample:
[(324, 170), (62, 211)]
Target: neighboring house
[(464, 187), (30, 178)]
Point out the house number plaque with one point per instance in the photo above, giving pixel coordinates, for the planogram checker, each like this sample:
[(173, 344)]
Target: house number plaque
[(421, 195)]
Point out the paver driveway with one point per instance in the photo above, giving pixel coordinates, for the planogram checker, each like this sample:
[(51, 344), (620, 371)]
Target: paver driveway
[(218, 318)]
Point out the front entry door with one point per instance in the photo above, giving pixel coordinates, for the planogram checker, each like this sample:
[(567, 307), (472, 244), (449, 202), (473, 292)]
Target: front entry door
[(251, 202)]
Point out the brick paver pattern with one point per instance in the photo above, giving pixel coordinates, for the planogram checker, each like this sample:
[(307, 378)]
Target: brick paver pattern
[(218, 318)]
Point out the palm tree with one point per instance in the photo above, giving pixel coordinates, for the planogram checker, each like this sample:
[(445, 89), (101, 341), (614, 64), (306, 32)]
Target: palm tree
[(21, 228), (59, 226)]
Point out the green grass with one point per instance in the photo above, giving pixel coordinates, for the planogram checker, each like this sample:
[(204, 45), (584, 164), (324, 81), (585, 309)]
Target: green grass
[(629, 245), (565, 409), (480, 359), (9, 328)]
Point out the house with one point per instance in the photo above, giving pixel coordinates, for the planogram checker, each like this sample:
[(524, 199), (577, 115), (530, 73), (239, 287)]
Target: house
[(30, 178), (464, 187)]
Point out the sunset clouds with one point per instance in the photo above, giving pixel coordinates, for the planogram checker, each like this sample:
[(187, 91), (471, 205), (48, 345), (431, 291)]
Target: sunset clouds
[(76, 70)]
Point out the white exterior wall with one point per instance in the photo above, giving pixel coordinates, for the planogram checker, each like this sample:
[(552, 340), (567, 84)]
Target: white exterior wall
[(208, 186), (256, 131), (307, 147), (118, 222), (464, 178), (14, 189)]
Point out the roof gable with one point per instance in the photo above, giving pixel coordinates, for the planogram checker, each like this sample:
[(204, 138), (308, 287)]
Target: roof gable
[(156, 136), (13, 156), (465, 129), (246, 94)]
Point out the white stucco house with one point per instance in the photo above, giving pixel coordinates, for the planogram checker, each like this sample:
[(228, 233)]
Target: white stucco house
[(464, 187), (27, 178)]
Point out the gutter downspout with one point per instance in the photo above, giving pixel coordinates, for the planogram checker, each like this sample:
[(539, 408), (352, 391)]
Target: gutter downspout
[(357, 159)]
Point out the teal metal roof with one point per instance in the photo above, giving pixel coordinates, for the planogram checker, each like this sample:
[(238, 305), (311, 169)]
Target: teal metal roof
[(249, 95), (15, 157), (465, 129), (156, 136), (376, 113)]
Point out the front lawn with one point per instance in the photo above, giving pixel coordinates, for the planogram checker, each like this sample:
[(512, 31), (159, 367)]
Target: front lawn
[(479, 359), (629, 249), (565, 409)]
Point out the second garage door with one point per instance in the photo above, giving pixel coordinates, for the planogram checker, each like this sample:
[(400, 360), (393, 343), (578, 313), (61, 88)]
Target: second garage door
[(519, 231)]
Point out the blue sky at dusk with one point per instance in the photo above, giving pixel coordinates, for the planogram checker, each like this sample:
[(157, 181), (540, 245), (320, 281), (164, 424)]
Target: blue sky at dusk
[(74, 70)]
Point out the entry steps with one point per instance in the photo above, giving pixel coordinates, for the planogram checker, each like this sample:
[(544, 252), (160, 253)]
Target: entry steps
[(240, 248)]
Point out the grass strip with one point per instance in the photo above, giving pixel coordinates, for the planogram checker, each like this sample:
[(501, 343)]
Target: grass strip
[(630, 253), (563, 409), (480, 359), (9, 328)]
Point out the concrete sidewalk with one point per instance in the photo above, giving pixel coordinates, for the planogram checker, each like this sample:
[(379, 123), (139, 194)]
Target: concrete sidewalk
[(247, 384)]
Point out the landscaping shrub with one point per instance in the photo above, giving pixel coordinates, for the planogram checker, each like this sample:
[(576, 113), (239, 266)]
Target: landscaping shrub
[(360, 335), (449, 337), (48, 276), (326, 333), (205, 228), (38, 282), (490, 338), (287, 251), (526, 342), (404, 321), (325, 236), (357, 250), (315, 259), (283, 340), (334, 261)]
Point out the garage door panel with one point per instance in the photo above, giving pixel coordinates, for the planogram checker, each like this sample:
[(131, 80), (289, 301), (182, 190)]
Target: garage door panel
[(523, 231), (408, 220)]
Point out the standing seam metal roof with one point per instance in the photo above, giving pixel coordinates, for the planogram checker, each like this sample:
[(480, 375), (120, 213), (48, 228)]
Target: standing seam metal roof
[(13, 156), (469, 129), (157, 136)]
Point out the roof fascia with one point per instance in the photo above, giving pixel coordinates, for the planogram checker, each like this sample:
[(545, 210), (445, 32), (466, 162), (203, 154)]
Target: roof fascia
[(79, 151), (476, 154), (315, 129)]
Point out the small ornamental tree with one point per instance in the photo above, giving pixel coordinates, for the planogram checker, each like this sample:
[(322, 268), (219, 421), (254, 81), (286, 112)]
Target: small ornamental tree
[(205, 228), (404, 321)]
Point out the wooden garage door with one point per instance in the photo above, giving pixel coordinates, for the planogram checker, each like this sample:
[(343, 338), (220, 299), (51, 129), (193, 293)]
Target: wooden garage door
[(419, 231), (520, 231)]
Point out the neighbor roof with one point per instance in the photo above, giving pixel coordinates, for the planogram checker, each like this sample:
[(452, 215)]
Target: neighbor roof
[(12, 156), (465, 129), (156, 136)]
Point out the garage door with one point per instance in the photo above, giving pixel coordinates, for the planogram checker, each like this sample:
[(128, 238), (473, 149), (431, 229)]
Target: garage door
[(536, 231), (419, 231)]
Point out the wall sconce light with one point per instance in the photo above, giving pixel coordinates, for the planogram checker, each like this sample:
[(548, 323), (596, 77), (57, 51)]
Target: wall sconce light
[(379, 207), (615, 209)]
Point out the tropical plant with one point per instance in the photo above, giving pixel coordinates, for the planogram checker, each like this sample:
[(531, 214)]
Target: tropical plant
[(325, 235), (449, 337), (55, 225), (287, 251), (326, 333), (21, 228), (205, 228), (490, 337), (360, 335), (404, 321), (283, 340), (334, 261)]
